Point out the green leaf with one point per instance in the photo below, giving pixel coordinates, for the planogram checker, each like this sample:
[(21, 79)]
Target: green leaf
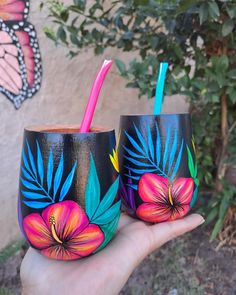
[(224, 205), (217, 228), (121, 66), (61, 34), (92, 191), (232, 74), (109, 215), (227, 27), (212, 215), (203, 13), (190, 163), (108, 199), (214, 10), (109, 231)]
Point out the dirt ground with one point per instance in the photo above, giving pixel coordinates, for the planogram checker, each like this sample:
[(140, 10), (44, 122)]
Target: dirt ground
[(186, 266)]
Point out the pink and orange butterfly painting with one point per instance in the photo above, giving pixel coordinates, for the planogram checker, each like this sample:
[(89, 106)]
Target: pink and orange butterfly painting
[(20, 60)]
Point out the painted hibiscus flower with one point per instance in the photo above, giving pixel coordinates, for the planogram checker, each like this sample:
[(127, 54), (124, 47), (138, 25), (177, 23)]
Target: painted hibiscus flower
[(162, 199), (62, 231)]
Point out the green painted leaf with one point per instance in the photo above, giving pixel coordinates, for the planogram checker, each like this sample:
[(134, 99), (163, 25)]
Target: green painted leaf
[(190, 162), (109, 231), (108, 199), (92, 191), (109, 215)]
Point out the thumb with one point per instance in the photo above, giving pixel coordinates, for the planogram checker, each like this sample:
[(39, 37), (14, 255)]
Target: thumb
[(166, 231)]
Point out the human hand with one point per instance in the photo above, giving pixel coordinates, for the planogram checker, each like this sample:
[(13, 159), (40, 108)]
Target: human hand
[(106, 272)]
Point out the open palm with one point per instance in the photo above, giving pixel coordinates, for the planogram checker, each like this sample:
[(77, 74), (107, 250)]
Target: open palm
[(106, 272)]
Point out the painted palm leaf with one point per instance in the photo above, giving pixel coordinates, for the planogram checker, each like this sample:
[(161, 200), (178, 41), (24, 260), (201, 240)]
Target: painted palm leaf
[(100, 210), (148, 155), (42, 189)]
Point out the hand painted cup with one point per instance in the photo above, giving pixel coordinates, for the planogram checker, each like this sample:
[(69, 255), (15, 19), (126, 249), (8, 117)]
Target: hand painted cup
[(68, 204), (157, 166)]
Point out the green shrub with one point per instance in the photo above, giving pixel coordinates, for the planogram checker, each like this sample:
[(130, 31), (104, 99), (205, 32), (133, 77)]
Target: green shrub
[(198, 39)]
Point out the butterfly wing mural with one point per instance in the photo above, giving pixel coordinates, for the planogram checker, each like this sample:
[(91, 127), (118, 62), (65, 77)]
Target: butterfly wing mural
[(20, 60)]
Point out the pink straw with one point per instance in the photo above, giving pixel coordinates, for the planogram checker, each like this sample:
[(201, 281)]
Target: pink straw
[(97, 85)]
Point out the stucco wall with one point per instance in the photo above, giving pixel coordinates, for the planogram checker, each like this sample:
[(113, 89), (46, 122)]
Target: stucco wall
[(62, 99)]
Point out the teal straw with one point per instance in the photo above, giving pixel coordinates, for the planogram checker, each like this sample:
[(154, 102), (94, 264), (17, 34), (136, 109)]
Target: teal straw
[(160, 88)]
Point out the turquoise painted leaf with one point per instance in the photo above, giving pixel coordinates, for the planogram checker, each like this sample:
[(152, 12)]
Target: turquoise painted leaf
[(166, 151), (40, 163), (50, 170), (138, 163), (173, 151), (150, 144), (67, 184), (92, 191), (29, 185), (26, 174), (141, 139), (195, 194), (158, 146), (33, 196), (131, 153), (109, 231), (108, 199), (178, 160), (31, 158), (108, 216), (135, 145), (58, 176), (36, 205)]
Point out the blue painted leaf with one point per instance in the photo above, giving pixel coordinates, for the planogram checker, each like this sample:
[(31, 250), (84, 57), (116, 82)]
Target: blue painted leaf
[(195, 194), (138, 163), (37, 205), (178, 160), (150, 144), (109, 231), (67, 184), (58, 176), (40, 163), (134, 143), (141, 139), (132, 154), (135, 187), (92, 191), (108, 215), (25, 161), (173, 151), (158, 146), (32, 195), (31, 158), (166, 151), (50, 170), (140, 171), (29, 185), (26, 174), (108, 199), (133, 177)]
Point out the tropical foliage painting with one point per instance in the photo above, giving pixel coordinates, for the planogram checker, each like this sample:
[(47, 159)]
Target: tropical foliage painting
[(152, 171), (63, 229)]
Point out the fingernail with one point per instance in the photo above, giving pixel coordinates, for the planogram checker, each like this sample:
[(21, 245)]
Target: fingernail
[(203, 220)]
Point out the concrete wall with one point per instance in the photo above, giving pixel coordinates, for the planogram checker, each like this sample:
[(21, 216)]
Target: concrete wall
[(62, 99)]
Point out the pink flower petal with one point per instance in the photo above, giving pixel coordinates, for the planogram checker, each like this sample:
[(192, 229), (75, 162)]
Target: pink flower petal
[(153, 188), (179, 212), (37, 231), (153, 212), (182, 190), (87, 241), (69, 218), (60, 253)]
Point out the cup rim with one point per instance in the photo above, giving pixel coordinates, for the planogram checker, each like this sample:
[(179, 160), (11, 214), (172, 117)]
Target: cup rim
[(66, 129), (161, 115)]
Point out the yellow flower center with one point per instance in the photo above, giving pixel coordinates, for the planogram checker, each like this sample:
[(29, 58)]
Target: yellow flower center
[(170, 196), (52, 221)]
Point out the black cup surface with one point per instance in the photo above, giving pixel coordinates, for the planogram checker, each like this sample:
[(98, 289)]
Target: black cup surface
[(157, 166), (68, 190)]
